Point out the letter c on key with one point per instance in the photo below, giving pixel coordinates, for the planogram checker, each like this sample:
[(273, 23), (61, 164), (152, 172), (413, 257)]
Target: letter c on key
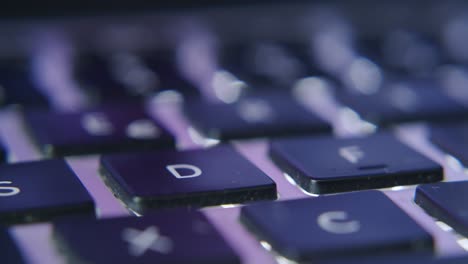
[(9, 191), (175, 170), (335, 222)]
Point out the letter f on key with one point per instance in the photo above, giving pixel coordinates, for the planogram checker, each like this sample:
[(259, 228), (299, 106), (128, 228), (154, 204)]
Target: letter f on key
[(182, 171)]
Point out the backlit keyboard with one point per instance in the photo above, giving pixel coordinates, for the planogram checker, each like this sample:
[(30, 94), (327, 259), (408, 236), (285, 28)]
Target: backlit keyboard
[(266, 133)]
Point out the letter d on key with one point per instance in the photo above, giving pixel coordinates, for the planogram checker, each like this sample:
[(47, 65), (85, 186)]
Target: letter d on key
[(177, 169)]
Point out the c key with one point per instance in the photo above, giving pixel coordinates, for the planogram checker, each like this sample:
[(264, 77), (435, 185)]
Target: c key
[(345, 225)]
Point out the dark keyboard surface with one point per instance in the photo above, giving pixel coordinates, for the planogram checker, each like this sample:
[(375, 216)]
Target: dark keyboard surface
[(347, 225), (231, 138)]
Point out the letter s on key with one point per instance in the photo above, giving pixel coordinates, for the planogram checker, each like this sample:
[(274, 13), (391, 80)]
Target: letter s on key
[(7, 190), (334, 222)]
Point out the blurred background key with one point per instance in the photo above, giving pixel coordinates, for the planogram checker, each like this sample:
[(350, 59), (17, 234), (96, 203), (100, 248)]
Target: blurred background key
[(111, 128)]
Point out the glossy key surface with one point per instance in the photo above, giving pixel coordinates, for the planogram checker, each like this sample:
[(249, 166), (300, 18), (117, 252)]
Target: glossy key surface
[(3, 153), (213, 176), (96, 77), (123, 76), (274, 114), (10, 254), (267, 64), (19, 87), (41, 190), (171, 237), (452, 138), (344, 225), (447, 202), (106, 129), (404, 51), (326, 164), (403, 100)]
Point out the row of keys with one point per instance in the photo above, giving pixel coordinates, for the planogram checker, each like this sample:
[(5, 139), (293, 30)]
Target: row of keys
[(330, 229), (115, 78), (120, 76), (191, 172), (218, 175), (43, 190), (120, 128)]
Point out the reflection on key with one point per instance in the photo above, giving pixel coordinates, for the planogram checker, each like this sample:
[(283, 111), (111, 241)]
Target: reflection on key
[(327, 227), (399, 101), (447, 202), (404, 51), (328, 165), (169, 237), (41, 190), (274, 114), (266, 64), (107, 129), (123, 76), (205, 177)]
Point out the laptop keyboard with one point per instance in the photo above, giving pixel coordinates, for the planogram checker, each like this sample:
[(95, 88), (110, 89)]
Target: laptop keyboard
[(301, 133)]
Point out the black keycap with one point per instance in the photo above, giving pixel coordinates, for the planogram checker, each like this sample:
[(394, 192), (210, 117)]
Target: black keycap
[(404, 51), (404, 101), (452, 138), (3, 153), (327, 165), (266, 65), (447, 202), (38, 191), (18, 86), (353, 224), (274, 114), (212, 176), (10, 252), (164, 66), (94, 75), (106, 129), (123, 76), (171, 237)]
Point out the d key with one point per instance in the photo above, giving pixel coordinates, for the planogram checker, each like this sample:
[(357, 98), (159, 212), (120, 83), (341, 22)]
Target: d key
[(204, 177)]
